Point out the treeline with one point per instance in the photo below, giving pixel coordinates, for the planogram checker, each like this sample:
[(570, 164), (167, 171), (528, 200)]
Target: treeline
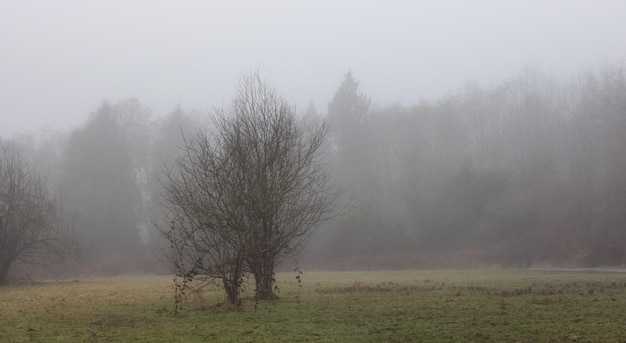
[(106, 174), (530, 172)]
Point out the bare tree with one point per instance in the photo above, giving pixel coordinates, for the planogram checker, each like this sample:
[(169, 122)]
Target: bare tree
[(285, 184), (204, 224), (30, 225), (247, 196)]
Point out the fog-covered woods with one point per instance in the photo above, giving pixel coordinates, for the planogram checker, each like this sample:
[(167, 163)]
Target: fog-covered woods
[(529, 172)]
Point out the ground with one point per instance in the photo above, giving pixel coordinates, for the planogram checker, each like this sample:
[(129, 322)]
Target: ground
[(402, 306)]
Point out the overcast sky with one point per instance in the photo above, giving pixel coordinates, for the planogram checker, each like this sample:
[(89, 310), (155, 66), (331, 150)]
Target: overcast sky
[(60, 59)]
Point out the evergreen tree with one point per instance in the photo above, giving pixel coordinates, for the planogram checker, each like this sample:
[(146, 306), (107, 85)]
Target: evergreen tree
[(348, 114), (100, 188)]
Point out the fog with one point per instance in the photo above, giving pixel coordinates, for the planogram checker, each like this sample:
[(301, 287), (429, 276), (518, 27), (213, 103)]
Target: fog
[(60, 59), (462, 134)]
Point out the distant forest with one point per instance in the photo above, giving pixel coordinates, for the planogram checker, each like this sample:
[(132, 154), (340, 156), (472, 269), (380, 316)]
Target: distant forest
[(531, 172)]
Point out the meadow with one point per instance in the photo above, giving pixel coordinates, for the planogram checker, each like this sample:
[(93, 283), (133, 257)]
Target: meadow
[(399, 306)]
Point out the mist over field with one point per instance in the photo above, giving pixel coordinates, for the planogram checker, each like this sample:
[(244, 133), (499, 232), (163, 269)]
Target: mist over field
[(460, 134)]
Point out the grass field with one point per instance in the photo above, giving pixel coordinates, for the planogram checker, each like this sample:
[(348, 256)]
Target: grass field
[(403, 306)]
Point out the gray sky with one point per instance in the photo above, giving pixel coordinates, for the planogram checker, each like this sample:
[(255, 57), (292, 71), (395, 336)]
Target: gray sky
[(60, 59)]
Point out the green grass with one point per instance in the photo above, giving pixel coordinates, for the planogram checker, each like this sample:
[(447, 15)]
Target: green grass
[(405, 306)]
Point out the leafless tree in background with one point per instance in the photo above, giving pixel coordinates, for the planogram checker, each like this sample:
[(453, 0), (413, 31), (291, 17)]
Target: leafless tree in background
[(248, 195), (30, 226)]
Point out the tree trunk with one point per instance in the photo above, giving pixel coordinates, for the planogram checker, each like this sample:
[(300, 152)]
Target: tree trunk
[(262, 261), (264, 278), (232, 291), (232, 280), (264, 284), (4, 271)]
